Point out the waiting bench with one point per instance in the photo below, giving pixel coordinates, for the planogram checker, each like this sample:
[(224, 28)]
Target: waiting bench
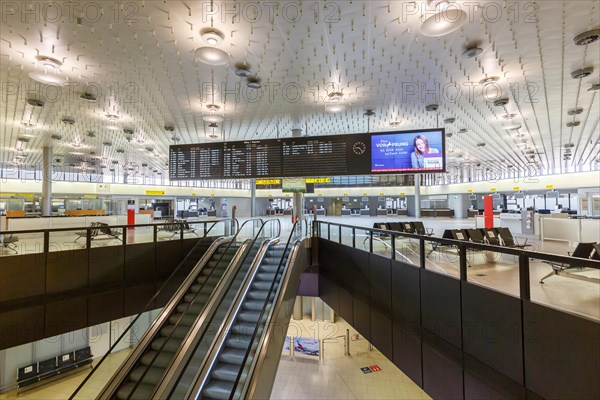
[(9, 242), (176, 226), (583, 250), (100, 231), (54, 368)]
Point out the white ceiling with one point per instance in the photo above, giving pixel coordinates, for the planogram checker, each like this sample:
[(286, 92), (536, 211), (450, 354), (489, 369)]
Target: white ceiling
[(139, 58)]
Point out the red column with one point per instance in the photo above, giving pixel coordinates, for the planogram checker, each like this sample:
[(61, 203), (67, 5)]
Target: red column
[(488, 211), (131, 217)]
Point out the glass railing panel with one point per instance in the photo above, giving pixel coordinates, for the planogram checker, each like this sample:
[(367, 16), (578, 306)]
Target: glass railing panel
[(493, 269), (566, 286), (139, 234), (347, 236), (334, 233), (442, 258), (407, 250), (16, 243)]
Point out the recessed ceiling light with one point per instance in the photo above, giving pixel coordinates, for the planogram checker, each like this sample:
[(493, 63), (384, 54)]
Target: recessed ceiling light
[(46, 77), (242, 69), (28, 124), (335, 96), (595, 86), (335, 108), (112, 117), (395, 123), (56, 137), (212, 56), (89, 97), (254, 82), (112, 127), (509, 116), (213, 107), (213, 118), (471, 52), (488, 80), (431, 107), (588, 37), (36, 102), (511, 125), (68, 120), (445, 21), (480, 144), (212, 36), (449, 120)]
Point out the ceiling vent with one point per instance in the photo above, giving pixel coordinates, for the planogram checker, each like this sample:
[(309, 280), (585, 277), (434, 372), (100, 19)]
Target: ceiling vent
[(36, 102), (582, 73), (449, 134), (91, 134), (480, 144), (587, 37), (169, 128), (449, 120), (431, 107), (575, 111), (595, 86), (369, 113), (107, 144), (463, 130), (471, 52), (254, 82), (68, 120), (501, 102), (242, 69), (569, 145), (120, 151), (128, 131), (572, 124), (89, 97), (56, 137)]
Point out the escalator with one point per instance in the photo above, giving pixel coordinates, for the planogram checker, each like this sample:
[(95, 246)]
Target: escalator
[(142, 370), (223, 365)]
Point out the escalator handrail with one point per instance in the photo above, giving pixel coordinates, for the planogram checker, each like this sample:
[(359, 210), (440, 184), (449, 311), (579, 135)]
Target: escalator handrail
[(182, 357), (216, 347), (148, 304), (123, 372), (274, 305)]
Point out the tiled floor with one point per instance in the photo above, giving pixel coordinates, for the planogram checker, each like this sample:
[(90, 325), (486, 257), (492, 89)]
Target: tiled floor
[(337, 376)]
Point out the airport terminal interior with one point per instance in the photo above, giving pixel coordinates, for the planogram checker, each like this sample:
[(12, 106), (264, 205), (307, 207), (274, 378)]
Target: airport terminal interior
[(300, 199)]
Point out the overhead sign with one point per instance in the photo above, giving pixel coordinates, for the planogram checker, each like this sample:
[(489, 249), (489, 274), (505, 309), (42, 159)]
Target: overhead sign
[(493, 190), (549, 186), (470, 191), (268, 181), (155, 192), (516, 188), (318, 180)]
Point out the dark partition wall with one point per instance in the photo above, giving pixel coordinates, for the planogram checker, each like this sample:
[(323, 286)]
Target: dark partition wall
[(456, 339), (43, 295)]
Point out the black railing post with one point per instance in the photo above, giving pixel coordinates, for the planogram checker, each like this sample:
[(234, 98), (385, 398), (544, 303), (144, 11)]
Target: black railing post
[(124, 236), (462, 251), (353, 238), (422, 252), (370, 241), (46, 242), (393, 246), (328, 231), (524, 283), (340, 234), (88, 238), (155, 233)]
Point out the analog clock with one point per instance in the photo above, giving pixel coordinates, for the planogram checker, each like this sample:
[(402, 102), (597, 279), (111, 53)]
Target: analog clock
[(359, 148)]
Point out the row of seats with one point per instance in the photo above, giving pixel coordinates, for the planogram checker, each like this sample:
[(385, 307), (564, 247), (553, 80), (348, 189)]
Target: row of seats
[(583, 250), (406, 227), (54, 367), (492, 236), (101, 231)]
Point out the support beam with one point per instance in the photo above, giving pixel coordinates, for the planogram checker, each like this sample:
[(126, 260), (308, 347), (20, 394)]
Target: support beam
[(417, 196), (47, 182)]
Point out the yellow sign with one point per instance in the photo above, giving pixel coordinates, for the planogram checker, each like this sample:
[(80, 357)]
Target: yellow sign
[(155, 192), (319, 195), (268, 181), (493, 190), (402, 194), (364, 194), (212, 195), (345, 194), (193, 194), (7, 194), (270, 195), (549, 186), (318, 180), (470, 191), (28, 195), (90, 196), (287, 195), (382, 194), (517, 188)]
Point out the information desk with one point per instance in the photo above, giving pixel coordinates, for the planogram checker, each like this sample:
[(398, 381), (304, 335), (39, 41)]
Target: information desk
[(382, 211), (346, 211), (274, 212), (437, 212), (364, 211)]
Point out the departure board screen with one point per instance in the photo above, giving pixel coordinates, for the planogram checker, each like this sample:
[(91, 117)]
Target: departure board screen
[(306, 156)]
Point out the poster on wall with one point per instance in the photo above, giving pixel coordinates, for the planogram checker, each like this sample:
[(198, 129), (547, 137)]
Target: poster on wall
[(418, 151), (287, 349), (306, 347)]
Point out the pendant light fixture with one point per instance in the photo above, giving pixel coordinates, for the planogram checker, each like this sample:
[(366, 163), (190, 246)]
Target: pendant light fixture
[(447, 19)]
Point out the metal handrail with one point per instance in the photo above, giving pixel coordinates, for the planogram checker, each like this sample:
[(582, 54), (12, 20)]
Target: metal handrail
[(184, 354), (233, 240), (466, 245), (146, 307)]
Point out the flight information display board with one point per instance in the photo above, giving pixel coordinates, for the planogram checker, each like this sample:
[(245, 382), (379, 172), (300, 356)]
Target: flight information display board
[(358, 154)]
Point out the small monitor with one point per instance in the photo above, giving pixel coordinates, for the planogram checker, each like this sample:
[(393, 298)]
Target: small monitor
[(496, 197), (473, 197), (519, 196), (552, 195)]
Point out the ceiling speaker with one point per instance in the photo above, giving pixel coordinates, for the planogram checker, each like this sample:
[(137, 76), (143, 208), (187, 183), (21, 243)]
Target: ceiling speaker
[(587, 37)]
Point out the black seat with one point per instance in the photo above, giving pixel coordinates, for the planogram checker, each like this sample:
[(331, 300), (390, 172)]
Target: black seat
[(476, 236), (596, 254), (582, 250), (508, 239), (448, 234), (460, 234), (420, 228), (491, 236), (395, 226), (408, 227)]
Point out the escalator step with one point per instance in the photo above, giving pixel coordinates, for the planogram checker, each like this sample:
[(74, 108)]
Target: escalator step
[(261, 285), (171, 346), (237, 341), (162, 360), (195, 307), (142, 392), (219, 390), (187, 320), (232, 356), (226, 372), (248, 316), (271, 268), (151, 377), (178, 332), (265, 276), (253, 305), (258, 295)]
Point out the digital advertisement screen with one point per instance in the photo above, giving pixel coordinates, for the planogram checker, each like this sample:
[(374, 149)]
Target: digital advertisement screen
[(418, 151)]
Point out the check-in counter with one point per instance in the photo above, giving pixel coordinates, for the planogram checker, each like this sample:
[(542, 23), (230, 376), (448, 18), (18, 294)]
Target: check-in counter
[(472, 213), (23, 224), (211, 213), (365, 211), (570, 229), (437, 212), (511, 221), (382, 211), (480, 221), (346, 211)]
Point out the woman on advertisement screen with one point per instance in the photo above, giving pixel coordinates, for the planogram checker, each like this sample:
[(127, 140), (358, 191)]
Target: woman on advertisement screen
[(421, 148)]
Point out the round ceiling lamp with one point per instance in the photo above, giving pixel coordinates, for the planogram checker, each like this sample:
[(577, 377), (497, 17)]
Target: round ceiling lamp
[(212, 56), (447, 19), (212, 118), (212, 37), (213, 108), (51, 69), (335, 108)]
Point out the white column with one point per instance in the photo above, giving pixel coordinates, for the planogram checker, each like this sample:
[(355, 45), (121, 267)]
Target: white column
[(47, 182), (417, 196), (298, 208), (252, 197)]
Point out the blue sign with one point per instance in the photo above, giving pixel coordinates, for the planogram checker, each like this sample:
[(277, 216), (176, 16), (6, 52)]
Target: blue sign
[(418, 151)]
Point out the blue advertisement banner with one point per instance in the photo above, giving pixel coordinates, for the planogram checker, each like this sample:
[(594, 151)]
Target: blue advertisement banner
[(407, 151)]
